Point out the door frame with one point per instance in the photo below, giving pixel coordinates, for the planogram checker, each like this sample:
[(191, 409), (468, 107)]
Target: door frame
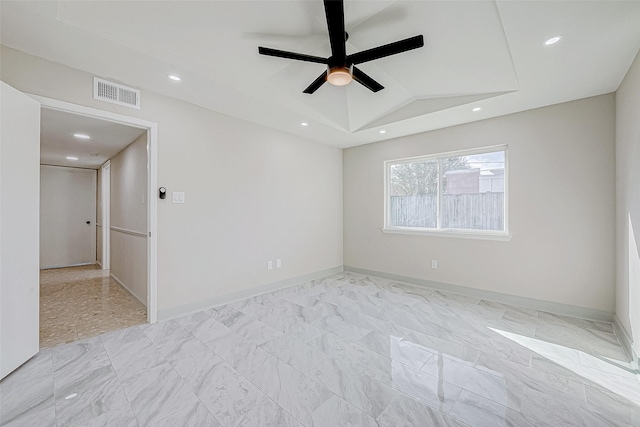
[(105, 207), (152, 184)]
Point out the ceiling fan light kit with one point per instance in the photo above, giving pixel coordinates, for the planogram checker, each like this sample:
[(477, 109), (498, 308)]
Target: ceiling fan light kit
[(340, 76), (340, 66)]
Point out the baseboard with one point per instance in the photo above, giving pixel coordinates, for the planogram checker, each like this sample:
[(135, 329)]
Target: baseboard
[(625, 341), (540, 305), (126, 288), (183, 310), (99, 264), (66, 266)]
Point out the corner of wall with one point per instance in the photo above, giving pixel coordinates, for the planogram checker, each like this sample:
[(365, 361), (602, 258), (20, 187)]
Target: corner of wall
[(626, 342)]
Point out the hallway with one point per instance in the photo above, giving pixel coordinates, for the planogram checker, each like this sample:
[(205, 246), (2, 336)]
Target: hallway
[(82, 302)]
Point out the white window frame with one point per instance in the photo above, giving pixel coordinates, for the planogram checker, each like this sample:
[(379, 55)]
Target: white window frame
[(503, 235)]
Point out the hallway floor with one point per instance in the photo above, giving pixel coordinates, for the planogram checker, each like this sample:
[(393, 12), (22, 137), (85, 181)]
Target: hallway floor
[(82, 302), (346, 350)]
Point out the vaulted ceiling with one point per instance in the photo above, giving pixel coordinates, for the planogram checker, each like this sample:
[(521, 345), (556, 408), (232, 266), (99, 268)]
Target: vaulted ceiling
[(487, 54)]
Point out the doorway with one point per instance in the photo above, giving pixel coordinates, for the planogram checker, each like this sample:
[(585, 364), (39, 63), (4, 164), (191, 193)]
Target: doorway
[(94, 278)]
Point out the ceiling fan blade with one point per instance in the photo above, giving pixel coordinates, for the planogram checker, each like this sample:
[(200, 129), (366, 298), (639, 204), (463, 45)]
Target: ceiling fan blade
[(386, 50), (334, 10), (290, 55), (366, 81), (316, 83)]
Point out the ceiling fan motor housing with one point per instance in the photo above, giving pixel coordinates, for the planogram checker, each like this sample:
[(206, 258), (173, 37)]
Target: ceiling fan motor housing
[(340, 66)]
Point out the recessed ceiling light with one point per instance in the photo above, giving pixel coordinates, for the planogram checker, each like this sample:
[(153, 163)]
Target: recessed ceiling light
[(476, 109), (304, 124), (553, 40), (82, 135), (383, 131), (71, 158), (174, 77)]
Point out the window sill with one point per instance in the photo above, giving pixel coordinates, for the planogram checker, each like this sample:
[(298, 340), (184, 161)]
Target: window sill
[(459, 234)]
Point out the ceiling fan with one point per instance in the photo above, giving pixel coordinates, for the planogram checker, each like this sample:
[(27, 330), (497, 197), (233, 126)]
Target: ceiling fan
[(341, 69)]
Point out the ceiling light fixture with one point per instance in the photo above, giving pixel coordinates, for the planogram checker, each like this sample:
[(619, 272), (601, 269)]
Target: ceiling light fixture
[(71, 158), (383, 131), (476, 109), (339, 76), (553, 40), (81, 136), (304, 124), (174, 77)]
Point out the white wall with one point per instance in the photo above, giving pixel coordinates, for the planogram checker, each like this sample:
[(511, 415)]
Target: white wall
[(561, 182), (129, 212), (628, 203), (252, 193)]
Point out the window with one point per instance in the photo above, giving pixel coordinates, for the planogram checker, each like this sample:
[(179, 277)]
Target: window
[(452, 193)]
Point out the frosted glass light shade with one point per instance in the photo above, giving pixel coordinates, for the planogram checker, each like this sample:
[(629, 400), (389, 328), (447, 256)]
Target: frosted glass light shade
[(339, 76)]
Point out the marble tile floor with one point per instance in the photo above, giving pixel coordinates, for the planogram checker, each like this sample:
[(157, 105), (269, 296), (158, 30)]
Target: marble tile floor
[(346, 350), (82, 302)]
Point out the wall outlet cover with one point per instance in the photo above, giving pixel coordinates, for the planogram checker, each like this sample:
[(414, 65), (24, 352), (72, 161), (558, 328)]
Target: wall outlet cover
[(177, 197)]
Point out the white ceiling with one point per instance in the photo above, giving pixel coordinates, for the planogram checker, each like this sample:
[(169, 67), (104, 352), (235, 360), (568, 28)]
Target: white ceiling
[(57, 140), (477, 53)]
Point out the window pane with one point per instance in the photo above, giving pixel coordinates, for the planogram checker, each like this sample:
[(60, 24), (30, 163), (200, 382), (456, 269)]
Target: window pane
[(473, 192), (413, 194)]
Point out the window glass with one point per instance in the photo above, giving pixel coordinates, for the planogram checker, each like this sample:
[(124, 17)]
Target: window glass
[(473, 191), (413, 190), (448, 192)]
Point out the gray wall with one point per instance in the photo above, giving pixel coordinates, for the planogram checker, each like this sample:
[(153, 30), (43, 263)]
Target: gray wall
[(128, 261), (628, 203), (561, 208), (253, 194)]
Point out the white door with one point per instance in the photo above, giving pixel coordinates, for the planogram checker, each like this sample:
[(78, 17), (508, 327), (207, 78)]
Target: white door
[(67, 216), (19, 211)]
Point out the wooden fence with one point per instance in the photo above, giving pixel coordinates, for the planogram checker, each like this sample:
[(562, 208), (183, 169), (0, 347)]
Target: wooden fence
[(482, 211)]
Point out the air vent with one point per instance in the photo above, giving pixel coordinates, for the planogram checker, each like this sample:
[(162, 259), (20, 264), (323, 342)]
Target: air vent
[(115, 93)]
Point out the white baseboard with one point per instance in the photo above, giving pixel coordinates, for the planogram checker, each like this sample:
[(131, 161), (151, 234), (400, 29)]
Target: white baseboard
[(540, 305), (65, 266), (126, 288), (183, 310), (625, 341)]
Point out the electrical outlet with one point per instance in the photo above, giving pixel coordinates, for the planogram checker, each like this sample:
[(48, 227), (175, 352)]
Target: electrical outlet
[(269, 265), (278, 263), (434, 264)]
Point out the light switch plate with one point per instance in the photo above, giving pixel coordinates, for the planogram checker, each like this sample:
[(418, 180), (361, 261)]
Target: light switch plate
[(177, 197)]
